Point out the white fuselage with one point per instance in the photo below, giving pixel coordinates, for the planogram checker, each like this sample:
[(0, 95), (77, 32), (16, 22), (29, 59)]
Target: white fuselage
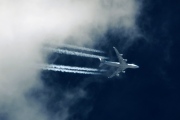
[(122, 66)]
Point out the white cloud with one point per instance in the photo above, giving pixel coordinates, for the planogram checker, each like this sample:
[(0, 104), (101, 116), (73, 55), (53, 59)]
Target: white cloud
[(26, 25)]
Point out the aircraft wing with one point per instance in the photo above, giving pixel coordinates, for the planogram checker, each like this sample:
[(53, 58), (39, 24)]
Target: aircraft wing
[(115, 73), (121, 60)]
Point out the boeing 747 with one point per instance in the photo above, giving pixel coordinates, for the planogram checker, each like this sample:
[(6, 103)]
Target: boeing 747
[(121, 65)]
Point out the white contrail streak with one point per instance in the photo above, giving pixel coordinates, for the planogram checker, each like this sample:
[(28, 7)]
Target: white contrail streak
[(73, 68), (71, 71), (82, 48), (68, 52)]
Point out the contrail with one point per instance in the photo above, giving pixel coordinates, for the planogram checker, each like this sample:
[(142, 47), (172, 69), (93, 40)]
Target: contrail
[(71, 71), (82, 48), (73, 68), (68, 52)]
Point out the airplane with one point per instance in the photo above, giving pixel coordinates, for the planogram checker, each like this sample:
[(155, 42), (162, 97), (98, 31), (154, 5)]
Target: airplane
[(121, 65)]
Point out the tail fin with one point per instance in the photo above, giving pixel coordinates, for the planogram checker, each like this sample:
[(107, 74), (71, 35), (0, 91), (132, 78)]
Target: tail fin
[(101, 62)]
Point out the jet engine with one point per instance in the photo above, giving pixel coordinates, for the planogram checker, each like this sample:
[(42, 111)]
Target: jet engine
[(123, 71), (125, 60)]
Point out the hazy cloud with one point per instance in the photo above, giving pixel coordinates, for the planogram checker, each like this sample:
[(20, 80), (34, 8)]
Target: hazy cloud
[(27, 25)]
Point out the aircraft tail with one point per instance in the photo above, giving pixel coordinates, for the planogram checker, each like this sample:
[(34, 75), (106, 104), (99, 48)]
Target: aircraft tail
[(101, 62)]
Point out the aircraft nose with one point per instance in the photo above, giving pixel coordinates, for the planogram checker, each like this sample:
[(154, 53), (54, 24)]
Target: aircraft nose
[(137, 66)]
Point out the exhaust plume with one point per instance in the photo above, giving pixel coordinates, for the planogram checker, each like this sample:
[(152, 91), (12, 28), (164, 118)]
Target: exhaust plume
[(82, 48), (70, 71), (72, 68), (68, 52)]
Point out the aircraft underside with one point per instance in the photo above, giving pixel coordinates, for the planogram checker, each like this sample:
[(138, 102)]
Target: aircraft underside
[(120, 66), (114, 64)]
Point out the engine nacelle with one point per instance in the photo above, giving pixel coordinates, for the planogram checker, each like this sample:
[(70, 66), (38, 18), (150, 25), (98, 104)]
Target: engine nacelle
[(125, 60)]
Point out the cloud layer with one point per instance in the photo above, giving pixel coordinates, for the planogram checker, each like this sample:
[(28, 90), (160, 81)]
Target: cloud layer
[(27, 25)]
